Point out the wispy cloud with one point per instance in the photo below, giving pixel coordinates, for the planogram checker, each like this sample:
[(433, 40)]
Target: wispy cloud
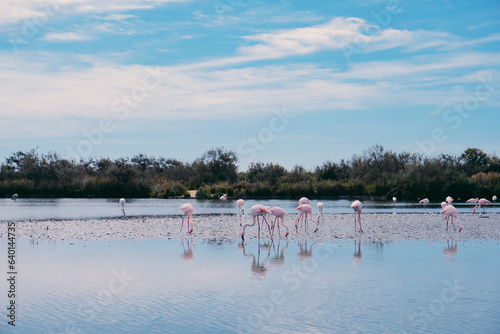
[(66, 37)]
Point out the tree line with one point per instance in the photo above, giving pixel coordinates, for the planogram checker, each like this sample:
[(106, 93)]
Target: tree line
[(376, 173)]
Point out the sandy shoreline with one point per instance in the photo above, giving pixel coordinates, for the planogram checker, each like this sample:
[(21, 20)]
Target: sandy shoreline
[(377, 227)]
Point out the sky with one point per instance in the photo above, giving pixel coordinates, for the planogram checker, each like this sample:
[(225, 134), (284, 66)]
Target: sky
[(288, 82)]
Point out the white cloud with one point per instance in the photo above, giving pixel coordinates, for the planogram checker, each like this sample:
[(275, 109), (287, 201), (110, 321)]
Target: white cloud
[(66, 37), (351, 35), (14, 11)]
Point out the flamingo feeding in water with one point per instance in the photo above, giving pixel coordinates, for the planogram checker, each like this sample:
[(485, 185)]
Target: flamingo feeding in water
[(304, 210), (188, 210), (357, 206), (320, 208), (258, 210), (14, 197), (241, 205), (122, 204), (223, 198), (424, 201), (472, 200), (482, 203), (279, 215), (451, 211)]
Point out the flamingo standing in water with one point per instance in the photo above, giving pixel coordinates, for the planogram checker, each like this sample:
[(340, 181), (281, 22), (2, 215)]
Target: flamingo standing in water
[(122, 204), (304, 210), (188, 210), (14, 197), (451, 211), (304, 200), (472, 200), (279, 213), (482, 202), (424, 201), (320, 208), (223, 198), (241, 205), (258, 210), (357, 206)]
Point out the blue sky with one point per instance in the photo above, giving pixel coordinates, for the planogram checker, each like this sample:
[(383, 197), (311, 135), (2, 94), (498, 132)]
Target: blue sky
[(289, 82)]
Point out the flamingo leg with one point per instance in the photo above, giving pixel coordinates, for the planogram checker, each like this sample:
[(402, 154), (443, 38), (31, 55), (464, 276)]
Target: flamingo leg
[(299, 217), (182, 224), (359, 218), (190, 223)]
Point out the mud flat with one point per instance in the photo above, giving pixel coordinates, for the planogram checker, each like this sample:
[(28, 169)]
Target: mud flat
[(376, 227)]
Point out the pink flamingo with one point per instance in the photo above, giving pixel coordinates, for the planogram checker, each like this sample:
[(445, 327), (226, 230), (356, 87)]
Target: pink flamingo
[(449, 199), (424, 201), (279, 213), (258, 210), (14, 197), (122, 204), (304, 200), (241, 205), (304, 210), (223, 198), (472, 200), (482, 202), (188, 210), (451, 211), (394, 199), (494, 198), (320, 208), (357, 206)]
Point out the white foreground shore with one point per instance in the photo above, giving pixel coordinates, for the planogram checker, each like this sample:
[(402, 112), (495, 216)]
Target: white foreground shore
[(377, 227)]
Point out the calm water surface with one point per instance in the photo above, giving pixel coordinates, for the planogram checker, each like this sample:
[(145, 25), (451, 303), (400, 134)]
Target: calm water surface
[(206, 286), (65, 208)]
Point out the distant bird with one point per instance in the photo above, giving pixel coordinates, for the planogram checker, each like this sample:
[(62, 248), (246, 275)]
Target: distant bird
[(223, 198), (444, 205), (14, 197), (424, 201), (451, 211), (188, 210), (304, 200), (494, 198), (394, 199), (279, 215), (482, 203), (122, 203), (357, 206), (304, 210), (241, 205), (472, 200), (258, 210), (320, 208), (449, 199)]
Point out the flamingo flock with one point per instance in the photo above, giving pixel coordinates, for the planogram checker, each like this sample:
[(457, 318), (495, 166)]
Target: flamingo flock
[(260, 211)]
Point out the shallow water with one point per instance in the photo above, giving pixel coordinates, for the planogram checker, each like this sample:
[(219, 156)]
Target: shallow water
[(207, 286), (69, 208)]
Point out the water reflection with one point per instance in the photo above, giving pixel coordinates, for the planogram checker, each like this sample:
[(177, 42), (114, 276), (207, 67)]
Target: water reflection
[(451, 249), (257, 267), (356, 259), (187, 254), (304, 251)]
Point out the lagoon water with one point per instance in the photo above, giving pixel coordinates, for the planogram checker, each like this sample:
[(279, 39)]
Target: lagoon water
[(207, 286), (181, 284), (70, 208)]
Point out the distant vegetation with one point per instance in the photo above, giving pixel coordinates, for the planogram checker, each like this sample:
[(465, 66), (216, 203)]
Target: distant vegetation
[(376, 173)]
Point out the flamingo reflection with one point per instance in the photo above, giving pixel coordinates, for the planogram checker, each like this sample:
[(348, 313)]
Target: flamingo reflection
[(304, 251), (451, 250), (258, 268), (356, 259), (187, 254)]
